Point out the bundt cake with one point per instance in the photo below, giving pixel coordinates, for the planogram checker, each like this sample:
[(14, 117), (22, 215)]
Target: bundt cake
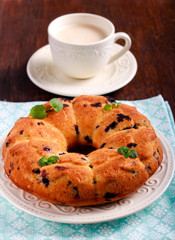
[(93, 151)]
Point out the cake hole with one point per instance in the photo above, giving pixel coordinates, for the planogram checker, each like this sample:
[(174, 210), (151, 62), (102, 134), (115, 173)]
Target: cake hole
[(86, 149)]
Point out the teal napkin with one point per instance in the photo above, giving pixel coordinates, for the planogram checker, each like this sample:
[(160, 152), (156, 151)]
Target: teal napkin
[(154, 222)]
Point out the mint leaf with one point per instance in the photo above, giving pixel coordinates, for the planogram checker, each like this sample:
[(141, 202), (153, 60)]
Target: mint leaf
[(38, 112), (116, 104), (127, 152), (123, 150), (56, 104), (126, 155), (43, 161), (132, 153), (107, 107), (53, 159)]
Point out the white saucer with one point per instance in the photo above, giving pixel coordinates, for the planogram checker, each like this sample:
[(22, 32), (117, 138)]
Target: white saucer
[(45, 75)]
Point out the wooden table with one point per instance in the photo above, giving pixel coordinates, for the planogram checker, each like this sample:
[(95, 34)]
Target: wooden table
[(150, 24)]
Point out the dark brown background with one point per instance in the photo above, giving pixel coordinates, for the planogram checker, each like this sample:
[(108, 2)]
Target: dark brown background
[(150, 24)]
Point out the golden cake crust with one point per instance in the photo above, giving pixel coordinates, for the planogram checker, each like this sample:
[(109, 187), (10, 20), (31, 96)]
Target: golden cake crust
[(77, 179)]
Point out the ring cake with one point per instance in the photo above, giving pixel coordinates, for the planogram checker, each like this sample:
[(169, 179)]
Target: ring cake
[(82, 175)]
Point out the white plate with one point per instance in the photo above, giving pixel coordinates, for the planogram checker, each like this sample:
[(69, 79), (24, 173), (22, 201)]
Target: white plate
[(44, 74), (146, 195)]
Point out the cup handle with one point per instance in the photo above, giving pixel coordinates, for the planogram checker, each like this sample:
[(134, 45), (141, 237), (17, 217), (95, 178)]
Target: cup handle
[(127, 39)]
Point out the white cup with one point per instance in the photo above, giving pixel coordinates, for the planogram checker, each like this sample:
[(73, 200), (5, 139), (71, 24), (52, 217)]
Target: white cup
[(84, 59)]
